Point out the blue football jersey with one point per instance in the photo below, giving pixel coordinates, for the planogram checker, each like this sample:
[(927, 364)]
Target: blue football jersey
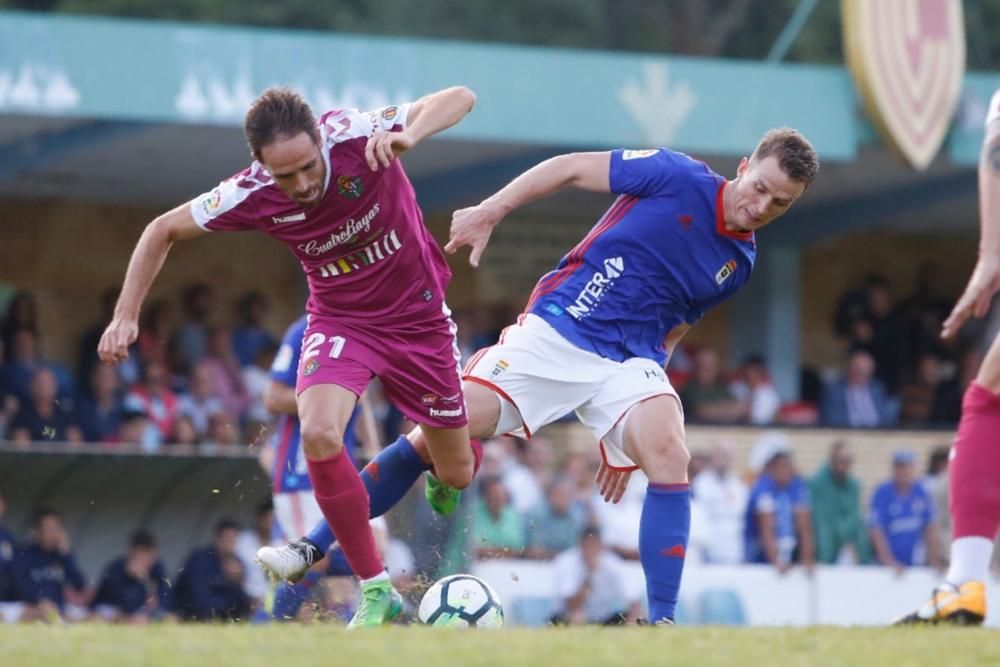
[(659, 257), (291, 472)]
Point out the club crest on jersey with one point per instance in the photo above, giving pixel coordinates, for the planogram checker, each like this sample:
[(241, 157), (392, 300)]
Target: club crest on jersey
[(728, 269), (310, 367), (212, 201), (499, 369), (389, 113), (350, 186)]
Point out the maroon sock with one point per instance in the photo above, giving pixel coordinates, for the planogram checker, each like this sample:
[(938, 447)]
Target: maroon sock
[(974, 471), (342, 496)]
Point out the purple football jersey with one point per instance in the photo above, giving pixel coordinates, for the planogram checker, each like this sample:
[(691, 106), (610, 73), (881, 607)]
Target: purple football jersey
[(367, 256)]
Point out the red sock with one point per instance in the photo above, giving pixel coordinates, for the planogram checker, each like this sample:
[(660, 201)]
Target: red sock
[(974, 471), (342, 496)]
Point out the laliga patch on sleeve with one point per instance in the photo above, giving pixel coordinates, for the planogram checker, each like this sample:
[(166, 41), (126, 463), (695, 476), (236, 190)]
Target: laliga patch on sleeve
[(635, 155)]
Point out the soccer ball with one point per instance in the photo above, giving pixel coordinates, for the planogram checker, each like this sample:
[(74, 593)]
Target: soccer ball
[(461, 601)]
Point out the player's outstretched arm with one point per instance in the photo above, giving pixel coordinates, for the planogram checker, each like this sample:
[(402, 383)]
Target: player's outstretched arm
[(147, 259), (473, 226), (985, 280), (427, 116)]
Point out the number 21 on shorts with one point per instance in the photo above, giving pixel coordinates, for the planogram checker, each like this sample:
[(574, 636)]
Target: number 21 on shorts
[(312, 347)]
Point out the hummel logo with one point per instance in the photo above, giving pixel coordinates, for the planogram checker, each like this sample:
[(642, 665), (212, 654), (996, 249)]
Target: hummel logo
[(684, 219), (296, 217)]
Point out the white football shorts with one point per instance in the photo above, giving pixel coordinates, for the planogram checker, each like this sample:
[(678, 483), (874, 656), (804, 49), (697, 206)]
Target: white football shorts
[(543, 376)]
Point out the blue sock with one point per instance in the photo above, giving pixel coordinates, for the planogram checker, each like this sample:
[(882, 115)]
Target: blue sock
[(663, 538), (288, 598), (388, 477), (391, 474)]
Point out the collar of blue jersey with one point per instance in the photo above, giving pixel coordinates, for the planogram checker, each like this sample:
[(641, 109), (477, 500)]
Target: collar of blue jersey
[(720, 218)]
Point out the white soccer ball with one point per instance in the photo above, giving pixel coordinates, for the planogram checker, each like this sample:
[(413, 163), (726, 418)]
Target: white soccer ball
[(461, 601)]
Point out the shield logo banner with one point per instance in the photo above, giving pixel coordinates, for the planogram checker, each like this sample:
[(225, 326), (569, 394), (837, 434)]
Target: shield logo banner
[(907, 58)]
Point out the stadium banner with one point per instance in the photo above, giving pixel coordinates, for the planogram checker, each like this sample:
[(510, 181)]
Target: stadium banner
[(907, 58), (62, 65)]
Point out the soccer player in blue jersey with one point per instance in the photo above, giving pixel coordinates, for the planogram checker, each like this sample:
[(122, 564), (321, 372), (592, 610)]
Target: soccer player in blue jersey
[(599, 329)]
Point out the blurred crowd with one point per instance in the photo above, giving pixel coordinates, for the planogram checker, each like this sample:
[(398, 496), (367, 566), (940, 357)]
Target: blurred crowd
[(523, 505)]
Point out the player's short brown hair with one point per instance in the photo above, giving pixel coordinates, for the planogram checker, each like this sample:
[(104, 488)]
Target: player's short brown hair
[(795, 155), (279, 113)]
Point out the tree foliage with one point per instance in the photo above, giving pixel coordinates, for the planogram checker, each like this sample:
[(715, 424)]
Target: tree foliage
[(716, 28)]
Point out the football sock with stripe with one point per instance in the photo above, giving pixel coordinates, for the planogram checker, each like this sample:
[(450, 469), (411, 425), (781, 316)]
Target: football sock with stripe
[(663, 539)]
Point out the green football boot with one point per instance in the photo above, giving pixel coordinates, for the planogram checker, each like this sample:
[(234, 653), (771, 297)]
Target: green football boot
[(442, 498), (380, 603)]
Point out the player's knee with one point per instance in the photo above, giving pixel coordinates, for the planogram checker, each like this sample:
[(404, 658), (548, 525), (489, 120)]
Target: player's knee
[(665, 456), (320, 441), (456, 476)]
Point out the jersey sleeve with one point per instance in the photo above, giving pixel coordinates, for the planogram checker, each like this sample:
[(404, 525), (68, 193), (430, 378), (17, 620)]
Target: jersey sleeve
[(994, 111), (341, 125), (285, 366), (228, 207), (643, 173)]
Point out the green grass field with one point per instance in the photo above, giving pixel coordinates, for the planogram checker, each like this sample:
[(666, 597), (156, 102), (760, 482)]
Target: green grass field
[(320, 645)]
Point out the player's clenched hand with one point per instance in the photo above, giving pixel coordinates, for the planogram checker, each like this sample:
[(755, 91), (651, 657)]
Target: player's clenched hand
[(472, 227), (975, 300), (116, 339), (611, 483), (384, 147)]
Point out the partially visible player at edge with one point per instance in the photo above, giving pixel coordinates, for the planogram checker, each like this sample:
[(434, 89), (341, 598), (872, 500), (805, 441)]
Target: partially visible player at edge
[(974, 470), (334, 193), (598, 330)]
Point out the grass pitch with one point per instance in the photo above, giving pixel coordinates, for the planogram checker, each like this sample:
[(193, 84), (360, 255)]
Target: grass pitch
[(322, 645)]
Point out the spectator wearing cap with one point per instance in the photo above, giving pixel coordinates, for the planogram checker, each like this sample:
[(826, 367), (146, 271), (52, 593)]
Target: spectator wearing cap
[(901, 519), (858, 399), (591, 584), (835, 494), (134, 588), (778, 523)]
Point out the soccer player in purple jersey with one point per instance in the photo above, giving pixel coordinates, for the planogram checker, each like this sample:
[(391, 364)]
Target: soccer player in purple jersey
[(334, 193), (599, 329)]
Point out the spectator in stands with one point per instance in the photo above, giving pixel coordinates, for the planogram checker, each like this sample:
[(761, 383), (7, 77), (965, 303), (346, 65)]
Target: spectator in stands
[(134, 588), (756, 392), (247, 544), (928, 398), (10, 610), (45, 573), (155, 333), (24, 360), (527, 471), (210, 585), (100, 410), (223, 430), (555, 525), (778, 527), (21, 315), (87, 349), (497, 530), (226, 371), (9, 405), (722, 496), (591, 585), (184, 432), (43, 418), (835, 495), (902, 518), (256, 377), (707, 397), (935, 482), (619, 522), (190, 344), (137, 429), (866, 318), (250, 336), (858, 399), (155, 399), (202, 400)]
